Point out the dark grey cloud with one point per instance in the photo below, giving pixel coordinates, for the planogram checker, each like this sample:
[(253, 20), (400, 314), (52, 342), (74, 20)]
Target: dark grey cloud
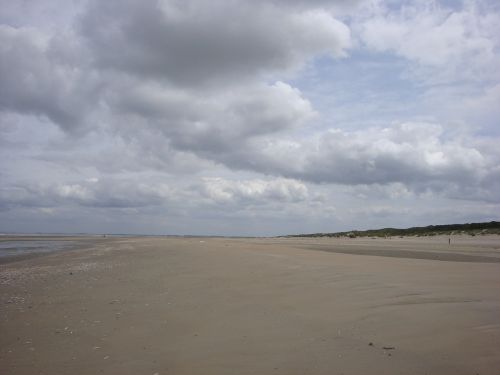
[(38, 77), (192, 43)]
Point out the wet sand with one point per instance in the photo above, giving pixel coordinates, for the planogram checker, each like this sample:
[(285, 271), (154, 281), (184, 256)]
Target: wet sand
[(255, 306)]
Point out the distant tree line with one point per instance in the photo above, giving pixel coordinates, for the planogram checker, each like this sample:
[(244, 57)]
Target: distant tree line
[(472, 229)]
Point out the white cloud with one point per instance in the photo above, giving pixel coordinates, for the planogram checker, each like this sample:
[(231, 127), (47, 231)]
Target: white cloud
[(73, 191), (456, 44), (118, 193), (257, 191), (409, 153), (132, 193)]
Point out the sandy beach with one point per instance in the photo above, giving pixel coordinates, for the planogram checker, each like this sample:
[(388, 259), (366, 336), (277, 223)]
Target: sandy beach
[(205, 306)]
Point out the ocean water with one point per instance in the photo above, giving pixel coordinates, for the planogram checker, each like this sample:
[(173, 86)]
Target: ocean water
[(10, 249)]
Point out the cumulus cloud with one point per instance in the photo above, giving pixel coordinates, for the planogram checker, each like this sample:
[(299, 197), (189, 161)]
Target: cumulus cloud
[(208, 125), (151, 58), (121, 194), (257, 191), (107, 193), (192, 43), (415, 154), (408, 153), (125, 193)]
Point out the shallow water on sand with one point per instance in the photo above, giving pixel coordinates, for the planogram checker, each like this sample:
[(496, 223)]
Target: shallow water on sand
[(21, 248)]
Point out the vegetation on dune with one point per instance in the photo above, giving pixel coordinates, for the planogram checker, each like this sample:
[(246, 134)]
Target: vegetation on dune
[(472, 229)]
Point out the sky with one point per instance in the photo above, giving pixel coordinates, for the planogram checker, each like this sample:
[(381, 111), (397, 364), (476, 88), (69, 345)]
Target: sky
[(250, 118)]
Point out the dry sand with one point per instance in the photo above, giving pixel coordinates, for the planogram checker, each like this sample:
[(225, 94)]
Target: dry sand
[(255, 306)]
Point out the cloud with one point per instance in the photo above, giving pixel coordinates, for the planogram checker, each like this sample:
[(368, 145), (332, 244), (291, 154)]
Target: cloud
[(155, 60), (223, 191), (209, 125), (130, 193), (54, 15), (36, 78), (91, 193), (407, 153), (193, 43), (443, 42), (415, 154)]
